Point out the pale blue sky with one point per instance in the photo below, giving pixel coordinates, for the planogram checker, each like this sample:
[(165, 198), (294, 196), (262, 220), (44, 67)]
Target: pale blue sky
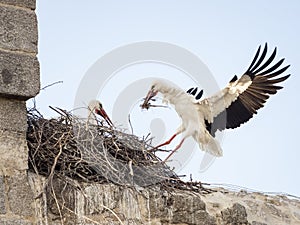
[(263, 154)]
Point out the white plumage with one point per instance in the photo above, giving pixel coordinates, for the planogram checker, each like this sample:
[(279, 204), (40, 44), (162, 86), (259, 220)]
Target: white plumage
[(228, 108)]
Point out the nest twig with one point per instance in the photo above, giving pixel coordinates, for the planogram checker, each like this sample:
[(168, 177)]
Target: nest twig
[(70, 147)]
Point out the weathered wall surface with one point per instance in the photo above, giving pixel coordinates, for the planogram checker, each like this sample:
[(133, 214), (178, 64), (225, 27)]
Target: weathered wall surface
[(110, 204), (19, 80)]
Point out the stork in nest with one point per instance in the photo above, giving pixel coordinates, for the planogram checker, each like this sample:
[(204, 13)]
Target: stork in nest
[(96, 108)]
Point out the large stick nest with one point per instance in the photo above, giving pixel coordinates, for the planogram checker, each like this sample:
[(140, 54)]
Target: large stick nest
[(67, 146)]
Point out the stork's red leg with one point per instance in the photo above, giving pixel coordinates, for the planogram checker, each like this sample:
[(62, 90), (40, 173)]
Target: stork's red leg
[(167, 142), (177, 147)]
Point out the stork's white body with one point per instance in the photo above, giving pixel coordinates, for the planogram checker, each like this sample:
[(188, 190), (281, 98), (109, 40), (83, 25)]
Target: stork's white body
[(229, 108), (193, 123)]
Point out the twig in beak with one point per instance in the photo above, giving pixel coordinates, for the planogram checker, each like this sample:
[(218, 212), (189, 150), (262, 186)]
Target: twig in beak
[(146, 104), (150, 105)]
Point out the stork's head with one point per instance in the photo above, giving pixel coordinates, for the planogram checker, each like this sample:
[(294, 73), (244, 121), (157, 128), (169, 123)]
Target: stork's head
[(96, 107), (161, 86), (151, 94)]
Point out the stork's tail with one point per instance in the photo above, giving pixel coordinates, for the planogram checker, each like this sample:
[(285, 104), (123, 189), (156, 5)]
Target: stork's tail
[(212, 146)]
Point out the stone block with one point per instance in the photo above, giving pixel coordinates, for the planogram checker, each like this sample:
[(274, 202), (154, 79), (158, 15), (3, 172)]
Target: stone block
[(13, 116), (18, 29), (20, 196), (190, 209), (258, 223), (64, 194), (2, 196), (4, 221), (188, 203), (199, 217), (22, 3), (14, 153), (19, 76), (235, 215)]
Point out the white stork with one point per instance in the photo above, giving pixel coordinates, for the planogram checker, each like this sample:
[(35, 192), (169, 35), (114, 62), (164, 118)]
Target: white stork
[(228, 108), (96, 108)]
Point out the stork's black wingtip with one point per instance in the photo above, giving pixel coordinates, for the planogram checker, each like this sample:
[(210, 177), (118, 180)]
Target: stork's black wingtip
[(265, 47), (199, 95), (286, 67), (190, 90), (259, 47), (194, 91), (233, 79)]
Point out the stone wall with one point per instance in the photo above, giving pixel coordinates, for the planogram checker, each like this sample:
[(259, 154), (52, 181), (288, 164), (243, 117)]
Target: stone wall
[(81, 203), (19, 81)]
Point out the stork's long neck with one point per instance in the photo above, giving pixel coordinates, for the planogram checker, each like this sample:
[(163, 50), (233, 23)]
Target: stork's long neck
[(173, 95), (92, 118)]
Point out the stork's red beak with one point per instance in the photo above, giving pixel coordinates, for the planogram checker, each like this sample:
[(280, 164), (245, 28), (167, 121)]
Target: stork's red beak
[(149, 96), (102, 113)]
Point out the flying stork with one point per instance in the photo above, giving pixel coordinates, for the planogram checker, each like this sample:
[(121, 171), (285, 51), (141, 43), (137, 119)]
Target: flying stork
[(228, 108), (96, 108)]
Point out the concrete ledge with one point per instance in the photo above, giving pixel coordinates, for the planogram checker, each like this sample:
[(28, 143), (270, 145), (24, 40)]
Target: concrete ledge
[(22, 3), (18, 29), (19, 76)]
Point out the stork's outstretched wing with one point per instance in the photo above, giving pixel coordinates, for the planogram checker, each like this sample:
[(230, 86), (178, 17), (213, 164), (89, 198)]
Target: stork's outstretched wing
[(241, 98)]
